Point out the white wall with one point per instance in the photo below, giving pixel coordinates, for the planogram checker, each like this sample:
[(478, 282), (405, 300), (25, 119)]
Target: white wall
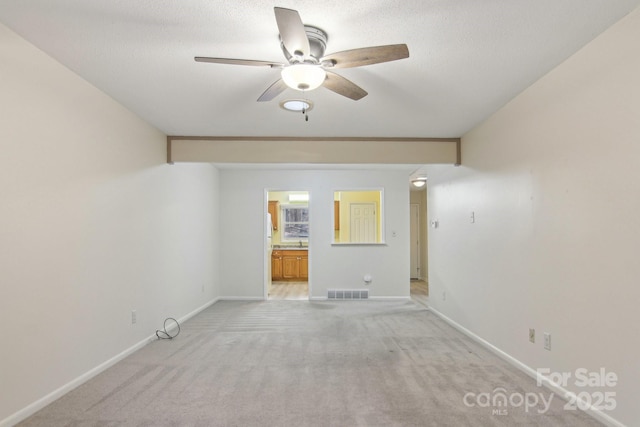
[(242, 193), (554, 180), (93, 225)]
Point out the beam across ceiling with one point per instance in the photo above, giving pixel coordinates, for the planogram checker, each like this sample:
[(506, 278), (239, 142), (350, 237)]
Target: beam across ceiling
[(318, 150)]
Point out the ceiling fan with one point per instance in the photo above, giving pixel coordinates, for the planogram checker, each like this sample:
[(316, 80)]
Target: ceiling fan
[(307, 66)]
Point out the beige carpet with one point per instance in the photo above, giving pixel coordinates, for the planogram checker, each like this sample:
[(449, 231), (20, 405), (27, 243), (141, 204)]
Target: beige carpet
[(300, 363)]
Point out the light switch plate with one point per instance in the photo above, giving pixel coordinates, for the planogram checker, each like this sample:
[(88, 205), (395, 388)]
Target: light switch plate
[(547, 341)]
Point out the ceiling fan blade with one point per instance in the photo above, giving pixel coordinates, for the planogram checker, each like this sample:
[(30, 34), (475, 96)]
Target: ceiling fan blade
[(239, 62), (272, 91), (367, 56), (343, 87), (292, 32)]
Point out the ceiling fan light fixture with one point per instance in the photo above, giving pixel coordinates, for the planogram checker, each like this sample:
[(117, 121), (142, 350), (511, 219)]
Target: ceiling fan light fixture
[(303, 47), (296, 105), (303, 76)]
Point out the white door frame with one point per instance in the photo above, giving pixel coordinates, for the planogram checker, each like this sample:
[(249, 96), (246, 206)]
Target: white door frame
[(414, 239)]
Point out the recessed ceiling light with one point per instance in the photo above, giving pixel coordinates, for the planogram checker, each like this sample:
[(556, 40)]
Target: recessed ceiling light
[(296, 105)]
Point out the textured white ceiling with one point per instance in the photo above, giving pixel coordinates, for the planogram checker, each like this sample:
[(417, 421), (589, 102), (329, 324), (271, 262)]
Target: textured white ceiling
[(467, 58)]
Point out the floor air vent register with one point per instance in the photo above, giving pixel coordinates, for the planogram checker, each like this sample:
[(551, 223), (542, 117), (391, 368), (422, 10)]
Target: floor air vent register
[(347, 294)]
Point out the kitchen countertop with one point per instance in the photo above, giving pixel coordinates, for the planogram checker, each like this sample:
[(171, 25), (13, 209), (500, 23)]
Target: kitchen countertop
[(290, 248)]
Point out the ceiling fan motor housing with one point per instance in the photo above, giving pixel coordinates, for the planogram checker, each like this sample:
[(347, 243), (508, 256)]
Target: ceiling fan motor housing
[(317, 45)]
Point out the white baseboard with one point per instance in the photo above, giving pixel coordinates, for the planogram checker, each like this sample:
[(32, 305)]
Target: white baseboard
[(362, 300), (34, 407), (197, 310), (559, 390), (31, 409), (241, 298), (389, 298)]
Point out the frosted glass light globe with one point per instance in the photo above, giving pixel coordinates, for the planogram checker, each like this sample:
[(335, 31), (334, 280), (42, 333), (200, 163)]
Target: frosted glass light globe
[(303, 76)]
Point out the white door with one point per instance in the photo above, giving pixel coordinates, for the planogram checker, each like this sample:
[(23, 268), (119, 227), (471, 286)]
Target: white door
[(363, 223), (414, 233)]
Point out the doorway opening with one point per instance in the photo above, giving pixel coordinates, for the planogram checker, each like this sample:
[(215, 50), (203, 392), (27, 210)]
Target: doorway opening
[(287, 248), (418, 251)]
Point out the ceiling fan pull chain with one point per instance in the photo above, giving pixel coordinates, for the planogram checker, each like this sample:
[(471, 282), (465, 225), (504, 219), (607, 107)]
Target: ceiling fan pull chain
[(304, 98), (304, 109)]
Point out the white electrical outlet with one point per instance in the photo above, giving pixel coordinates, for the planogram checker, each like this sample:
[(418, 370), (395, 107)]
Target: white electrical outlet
[(473, 217), (547, 341), (532, 335), (134, 317), (444, 295)]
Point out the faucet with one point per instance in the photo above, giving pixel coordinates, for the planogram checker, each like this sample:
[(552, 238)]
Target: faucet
[(300, 243)]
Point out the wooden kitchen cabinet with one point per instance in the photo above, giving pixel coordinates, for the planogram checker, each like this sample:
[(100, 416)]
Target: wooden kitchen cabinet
[(274, 208), (292, 265), (304, 267), (276, 265)]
